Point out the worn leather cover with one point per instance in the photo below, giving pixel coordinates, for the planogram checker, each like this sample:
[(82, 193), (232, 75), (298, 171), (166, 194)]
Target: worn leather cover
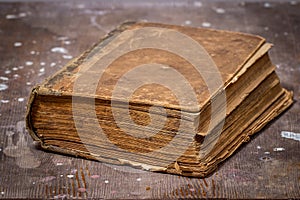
[(230, 51)]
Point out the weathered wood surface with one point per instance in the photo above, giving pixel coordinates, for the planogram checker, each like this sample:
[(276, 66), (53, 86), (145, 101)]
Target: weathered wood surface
[(267, 167)]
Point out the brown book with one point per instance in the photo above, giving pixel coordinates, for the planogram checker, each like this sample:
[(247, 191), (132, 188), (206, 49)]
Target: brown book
[(159, 97)]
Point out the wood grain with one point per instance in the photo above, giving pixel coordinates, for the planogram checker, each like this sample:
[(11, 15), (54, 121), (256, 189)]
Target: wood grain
[(255, 171)]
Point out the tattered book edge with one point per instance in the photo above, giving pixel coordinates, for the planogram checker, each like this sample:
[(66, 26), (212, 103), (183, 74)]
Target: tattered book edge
[(171, 168)]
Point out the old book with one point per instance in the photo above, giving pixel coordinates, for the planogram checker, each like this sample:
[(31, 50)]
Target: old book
[(160, 97)]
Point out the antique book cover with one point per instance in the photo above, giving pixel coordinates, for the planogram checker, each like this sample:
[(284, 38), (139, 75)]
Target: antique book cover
[(160, 97)]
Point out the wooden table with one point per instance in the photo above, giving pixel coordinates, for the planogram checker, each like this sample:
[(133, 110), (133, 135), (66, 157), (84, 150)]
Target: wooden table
[(266, 167)]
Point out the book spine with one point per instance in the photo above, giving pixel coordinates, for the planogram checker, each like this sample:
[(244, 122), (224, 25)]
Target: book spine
[(29, 124)]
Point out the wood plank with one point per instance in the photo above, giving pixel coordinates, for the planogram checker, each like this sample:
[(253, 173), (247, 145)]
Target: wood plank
[(27, 172)]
